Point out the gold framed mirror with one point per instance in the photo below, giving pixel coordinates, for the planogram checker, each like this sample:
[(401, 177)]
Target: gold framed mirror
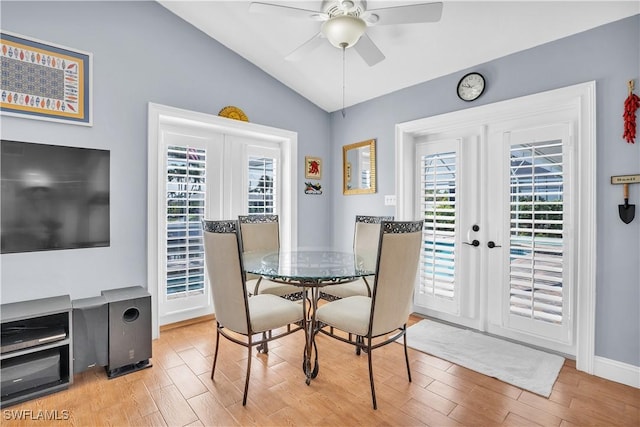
[(359, 167)]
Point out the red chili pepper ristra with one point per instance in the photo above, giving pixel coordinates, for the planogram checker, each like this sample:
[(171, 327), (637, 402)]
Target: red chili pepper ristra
[(631, 104)]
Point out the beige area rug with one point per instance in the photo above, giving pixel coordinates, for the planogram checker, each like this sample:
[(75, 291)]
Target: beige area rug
[(516, 364)]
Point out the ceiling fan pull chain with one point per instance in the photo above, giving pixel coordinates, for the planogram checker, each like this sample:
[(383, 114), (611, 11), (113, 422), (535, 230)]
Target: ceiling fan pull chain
[(344, 65)]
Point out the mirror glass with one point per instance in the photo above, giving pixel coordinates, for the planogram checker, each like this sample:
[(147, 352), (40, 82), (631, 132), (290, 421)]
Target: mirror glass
[(359, 167)]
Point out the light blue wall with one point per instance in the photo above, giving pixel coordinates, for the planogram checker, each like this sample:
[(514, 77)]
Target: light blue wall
[(143, 53), (610, 55)]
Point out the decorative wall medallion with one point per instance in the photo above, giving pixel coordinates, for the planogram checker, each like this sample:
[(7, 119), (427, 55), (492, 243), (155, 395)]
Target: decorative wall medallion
[(234, 113)]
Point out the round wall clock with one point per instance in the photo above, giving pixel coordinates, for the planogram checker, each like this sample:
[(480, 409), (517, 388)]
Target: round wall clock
[(471, 86)]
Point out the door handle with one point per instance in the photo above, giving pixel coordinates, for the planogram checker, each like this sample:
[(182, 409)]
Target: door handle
[(491, 244), (475, 243)]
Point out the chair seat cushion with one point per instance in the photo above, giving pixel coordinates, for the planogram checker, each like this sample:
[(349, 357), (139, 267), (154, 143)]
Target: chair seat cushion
[(349, 289), (273, 288), (271, 312), (349, 314)]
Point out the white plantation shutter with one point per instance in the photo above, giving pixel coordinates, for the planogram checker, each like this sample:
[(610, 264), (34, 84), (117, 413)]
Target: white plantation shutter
[(438, 207), (185, 205), (365, 169), (536, 231), (262, 193)]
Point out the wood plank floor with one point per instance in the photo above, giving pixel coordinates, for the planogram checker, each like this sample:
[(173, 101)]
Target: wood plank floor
[(177, 391)]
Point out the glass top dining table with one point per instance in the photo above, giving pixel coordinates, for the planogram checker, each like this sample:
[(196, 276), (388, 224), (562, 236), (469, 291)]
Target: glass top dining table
[(311, 269), (307, 267)]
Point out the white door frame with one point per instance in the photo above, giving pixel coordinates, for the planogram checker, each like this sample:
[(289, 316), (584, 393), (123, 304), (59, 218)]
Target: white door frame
[(581, 97), (159, 115)]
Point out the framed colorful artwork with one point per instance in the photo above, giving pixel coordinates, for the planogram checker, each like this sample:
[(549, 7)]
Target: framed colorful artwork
[(45, 81), (312, 167), (314, 188)]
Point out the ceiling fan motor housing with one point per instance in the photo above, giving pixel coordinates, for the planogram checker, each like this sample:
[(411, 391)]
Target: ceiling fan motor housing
[(344, 7)]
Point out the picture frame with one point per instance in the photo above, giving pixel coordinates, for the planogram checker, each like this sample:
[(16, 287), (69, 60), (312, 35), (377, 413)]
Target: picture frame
[(45, 81), (359, 168), (312, 167)]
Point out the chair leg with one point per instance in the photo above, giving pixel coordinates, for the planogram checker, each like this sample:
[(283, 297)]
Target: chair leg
[(246, 382), (406, 355), (373, 390), (215, 355), (264, 347)]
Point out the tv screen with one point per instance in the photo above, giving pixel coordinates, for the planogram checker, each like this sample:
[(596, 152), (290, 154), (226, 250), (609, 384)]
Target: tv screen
[(53, 197)]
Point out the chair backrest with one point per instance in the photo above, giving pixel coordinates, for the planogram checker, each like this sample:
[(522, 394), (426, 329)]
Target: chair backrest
[(366, 238), (225, 272), (398, 256), (259, 233)]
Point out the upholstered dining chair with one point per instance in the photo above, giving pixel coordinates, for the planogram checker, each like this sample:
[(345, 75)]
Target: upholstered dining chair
[(381, 318), (238, 316), (261, 233), (365, 245)]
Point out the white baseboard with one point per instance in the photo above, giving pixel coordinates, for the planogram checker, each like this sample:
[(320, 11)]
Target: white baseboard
[(616, 371)]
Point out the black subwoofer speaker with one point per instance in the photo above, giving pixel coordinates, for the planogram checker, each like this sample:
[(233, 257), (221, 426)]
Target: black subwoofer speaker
[(129, 330), (90, 333)]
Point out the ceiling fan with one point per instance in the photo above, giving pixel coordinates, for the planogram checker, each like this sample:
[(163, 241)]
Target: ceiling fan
[(345, 22)]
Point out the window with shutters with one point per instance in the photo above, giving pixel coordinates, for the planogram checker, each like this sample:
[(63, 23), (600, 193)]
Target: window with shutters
[(536, 231), (438, 207), (198, 169), (185, 204), (262, 186)]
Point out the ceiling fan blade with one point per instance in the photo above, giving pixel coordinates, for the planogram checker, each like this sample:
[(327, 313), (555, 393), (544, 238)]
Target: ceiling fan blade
[(409, 14), (292, 12), (306, 48), (368, 50)]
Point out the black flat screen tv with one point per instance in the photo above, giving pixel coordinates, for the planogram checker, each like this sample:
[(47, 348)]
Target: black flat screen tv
[(53, 197)]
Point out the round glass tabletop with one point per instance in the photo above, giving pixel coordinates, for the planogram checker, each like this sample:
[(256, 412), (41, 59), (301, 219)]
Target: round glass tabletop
[(307, 266)]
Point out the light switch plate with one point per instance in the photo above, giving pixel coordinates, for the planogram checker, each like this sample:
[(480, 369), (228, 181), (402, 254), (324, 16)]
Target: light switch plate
[(390, 200)]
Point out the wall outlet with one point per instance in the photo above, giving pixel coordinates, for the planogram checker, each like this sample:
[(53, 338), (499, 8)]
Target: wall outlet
[(390, 200)]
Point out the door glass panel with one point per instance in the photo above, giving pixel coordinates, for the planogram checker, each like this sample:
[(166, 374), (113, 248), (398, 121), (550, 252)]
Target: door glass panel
[(262, 186), (185, 203), (536, 231), (438, 207)]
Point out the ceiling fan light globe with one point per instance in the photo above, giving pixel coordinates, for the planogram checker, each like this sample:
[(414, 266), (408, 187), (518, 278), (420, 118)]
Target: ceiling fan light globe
[(343, 31)]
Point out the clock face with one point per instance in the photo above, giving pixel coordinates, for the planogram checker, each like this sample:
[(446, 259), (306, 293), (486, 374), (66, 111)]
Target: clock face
[(471, 86)]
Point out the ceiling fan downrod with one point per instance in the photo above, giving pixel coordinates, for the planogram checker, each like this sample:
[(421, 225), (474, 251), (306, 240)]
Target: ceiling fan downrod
[(344, 66)]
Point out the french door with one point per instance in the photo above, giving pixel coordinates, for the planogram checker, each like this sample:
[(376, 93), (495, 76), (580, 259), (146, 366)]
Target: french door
[(208, 175), (205, 167), (193, 177), (498, 248), (448, 202), (532, 211)]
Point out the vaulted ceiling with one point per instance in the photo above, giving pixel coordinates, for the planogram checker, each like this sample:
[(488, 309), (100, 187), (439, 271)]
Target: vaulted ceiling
[(469, 33)]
